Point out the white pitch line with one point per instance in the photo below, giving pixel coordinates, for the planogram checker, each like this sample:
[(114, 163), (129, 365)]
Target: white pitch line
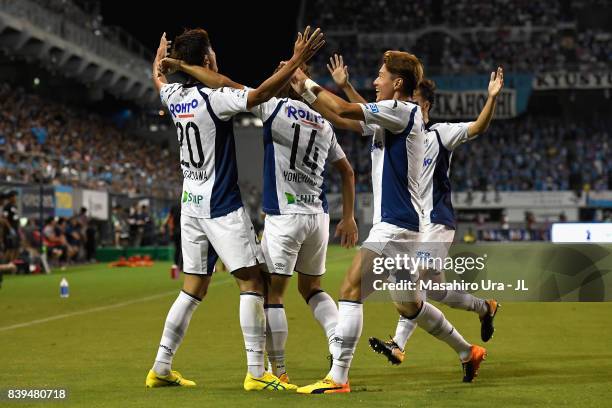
[(96, 309), (114, 306)]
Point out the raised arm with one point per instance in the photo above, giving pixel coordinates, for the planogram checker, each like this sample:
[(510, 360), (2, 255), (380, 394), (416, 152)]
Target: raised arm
[(305, 47), (340, 75), (481, 124), (332, 107), (159, 79), (347, 227), (206, 76), (297, 82)]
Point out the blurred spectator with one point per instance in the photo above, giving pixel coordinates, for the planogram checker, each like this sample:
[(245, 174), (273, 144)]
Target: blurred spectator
[(75, 148), (11, 232)]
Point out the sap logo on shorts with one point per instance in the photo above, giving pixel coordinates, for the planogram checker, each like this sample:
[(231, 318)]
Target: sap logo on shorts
[(300, 198), (189, 198), (376, 145), (427, 162), (372, 107), (183, 110)]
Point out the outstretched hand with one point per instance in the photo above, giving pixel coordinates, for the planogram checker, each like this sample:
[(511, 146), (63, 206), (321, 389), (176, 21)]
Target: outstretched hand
[(162, 52), (307, 44), (338, 70), (496, 83)]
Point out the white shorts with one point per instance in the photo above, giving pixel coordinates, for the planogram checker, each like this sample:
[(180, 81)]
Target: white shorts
[(437, 240), (296, 242), (389, 241), (383, 233), (230, 237)]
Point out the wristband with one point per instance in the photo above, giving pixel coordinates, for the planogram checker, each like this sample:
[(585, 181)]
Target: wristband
[(309, 84), (309, 96)]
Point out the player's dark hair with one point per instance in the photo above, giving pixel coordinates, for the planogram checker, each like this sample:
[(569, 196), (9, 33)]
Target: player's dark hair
[(427, 89), (191, 46), (407, 66), (287, 91)]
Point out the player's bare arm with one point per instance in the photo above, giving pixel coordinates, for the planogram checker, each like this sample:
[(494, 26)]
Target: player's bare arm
[(480, 125), (298, 83), (205, 75), (347, 227), (305, 47), (340, 75), (159, 79)]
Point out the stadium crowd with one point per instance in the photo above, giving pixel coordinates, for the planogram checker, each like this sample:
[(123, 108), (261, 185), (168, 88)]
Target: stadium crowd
[(45, 140), (466, 37), (529, 153)]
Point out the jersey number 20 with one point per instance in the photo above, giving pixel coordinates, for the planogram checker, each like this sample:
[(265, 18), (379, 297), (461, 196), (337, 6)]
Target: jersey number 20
[(182, 133)]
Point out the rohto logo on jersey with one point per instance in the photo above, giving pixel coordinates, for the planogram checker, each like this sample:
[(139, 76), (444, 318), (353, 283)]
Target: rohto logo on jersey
[(183, 109), (189, 198)]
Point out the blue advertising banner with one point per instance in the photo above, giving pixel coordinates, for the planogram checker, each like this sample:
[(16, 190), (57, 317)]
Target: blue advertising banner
[(63, 201)]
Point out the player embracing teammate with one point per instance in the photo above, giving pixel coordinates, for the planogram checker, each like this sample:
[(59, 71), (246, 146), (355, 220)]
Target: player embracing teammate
[(213, 222)]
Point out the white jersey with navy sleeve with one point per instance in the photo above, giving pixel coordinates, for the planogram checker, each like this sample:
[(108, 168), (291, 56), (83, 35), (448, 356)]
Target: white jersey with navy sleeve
[(398, 149), (441, 140), (297, 144), (203, 118)]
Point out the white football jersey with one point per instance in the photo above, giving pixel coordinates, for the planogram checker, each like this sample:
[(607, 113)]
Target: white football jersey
[(398, 150), (441, 140), (203, 119), (297, 144)]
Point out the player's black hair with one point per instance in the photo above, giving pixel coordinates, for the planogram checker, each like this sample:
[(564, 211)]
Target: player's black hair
[(427, 89), (191, 46)]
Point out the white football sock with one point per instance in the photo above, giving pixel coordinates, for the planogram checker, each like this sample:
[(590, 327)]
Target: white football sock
[(175, 327), (345, 339), (253, 325), (465, 301), (432, 320), (325, 312), (403, 331), (276, 337)]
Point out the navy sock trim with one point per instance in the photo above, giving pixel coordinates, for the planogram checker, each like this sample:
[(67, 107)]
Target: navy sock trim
[(314, 293), (274, 306), (192, 296), (349, 301), (251, 294)]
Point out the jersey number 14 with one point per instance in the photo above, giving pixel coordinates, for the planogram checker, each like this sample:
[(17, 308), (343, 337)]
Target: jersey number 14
[(307, 161)]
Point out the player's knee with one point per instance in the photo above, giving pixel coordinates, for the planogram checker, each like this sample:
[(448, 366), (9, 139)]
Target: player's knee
[(409, 309), (196, 286), (306, 286), (249, 279), (350, 291)]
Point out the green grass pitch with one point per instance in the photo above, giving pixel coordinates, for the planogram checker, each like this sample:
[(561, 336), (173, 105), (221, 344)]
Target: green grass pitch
[(99, 344)]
